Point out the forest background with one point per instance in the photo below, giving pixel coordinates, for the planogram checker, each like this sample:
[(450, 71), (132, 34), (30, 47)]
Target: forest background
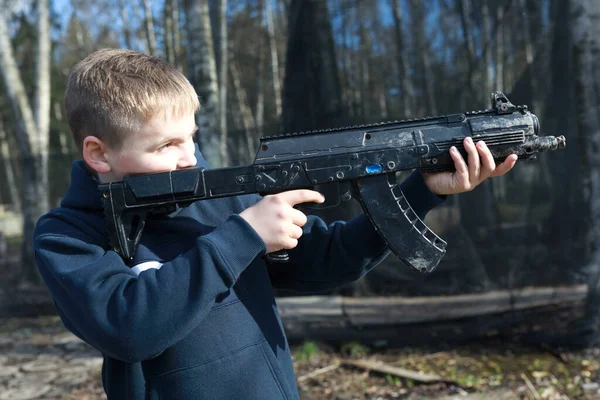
[(263, 67)]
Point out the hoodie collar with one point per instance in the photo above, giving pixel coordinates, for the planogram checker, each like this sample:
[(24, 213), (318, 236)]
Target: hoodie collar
[(83, 191)]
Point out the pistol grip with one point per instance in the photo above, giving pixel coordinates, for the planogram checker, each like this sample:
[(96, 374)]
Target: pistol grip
[(282, 256)]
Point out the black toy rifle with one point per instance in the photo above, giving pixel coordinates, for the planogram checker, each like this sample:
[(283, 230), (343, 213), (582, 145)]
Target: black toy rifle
[(355, 162)]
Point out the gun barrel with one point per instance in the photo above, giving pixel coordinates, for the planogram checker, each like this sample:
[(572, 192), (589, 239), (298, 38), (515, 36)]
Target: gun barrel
[(548, 143)]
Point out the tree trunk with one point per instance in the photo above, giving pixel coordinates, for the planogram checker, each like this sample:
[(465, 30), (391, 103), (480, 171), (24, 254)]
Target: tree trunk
[(245, 111), (585, 26), (32, 129), (346, 78), (125, 23), (223, 70), (168, 31), (202, 71), (499, 81), (566, 243), (426, 81), (487, 51), (274, 57), (11, 181), (311, 92), (406, 92), (149, 27), (176, 35), (464, 7), (259, 114), (311, 80), (366, 85), (62, 135)]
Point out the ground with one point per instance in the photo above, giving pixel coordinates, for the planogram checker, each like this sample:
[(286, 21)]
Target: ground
[(39, 359)]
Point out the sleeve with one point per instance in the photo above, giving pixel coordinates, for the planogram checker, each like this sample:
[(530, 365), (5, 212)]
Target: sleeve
[(331, 256), (133, 317)]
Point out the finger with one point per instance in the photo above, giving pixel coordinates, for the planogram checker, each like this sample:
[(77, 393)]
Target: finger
[(473, 159), (487, 160), (293, 197), (298, 217), (462, 171), (296, 232), (506, 166), (289, 243)]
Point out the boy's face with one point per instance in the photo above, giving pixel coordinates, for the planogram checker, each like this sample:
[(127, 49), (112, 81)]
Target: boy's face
[(161, 145)]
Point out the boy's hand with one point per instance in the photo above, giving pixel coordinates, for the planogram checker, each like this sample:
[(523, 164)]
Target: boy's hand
[(480, 166), (276, 220)]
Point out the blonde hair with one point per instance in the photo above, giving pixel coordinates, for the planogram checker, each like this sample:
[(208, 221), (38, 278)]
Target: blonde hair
[(112, 92)]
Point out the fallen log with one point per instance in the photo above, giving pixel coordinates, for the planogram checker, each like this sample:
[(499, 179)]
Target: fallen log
[(416, 319)]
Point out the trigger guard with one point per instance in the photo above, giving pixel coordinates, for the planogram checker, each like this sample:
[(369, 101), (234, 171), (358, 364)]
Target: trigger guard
[(396, 222)]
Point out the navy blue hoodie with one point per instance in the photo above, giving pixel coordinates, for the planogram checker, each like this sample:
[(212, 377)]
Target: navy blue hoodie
[(194, 316)]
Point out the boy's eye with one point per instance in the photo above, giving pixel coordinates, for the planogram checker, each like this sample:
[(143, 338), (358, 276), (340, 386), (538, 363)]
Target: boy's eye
[(164, 146)]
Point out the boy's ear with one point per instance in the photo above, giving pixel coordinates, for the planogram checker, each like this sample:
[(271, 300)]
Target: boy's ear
[(94, 154)]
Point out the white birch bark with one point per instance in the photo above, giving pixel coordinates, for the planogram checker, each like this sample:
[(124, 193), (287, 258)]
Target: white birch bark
[(149, 27), (260, 71), (17, 96), (125, 23), (202, 71), (9, 171), (176, 36), (33, 127), (274, 57), (223, 53)]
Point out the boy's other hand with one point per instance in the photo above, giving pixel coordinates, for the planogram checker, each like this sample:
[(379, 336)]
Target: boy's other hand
[(276, 220), (481, 165)]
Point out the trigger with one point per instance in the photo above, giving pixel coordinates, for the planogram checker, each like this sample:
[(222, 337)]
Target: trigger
[(335, 194)]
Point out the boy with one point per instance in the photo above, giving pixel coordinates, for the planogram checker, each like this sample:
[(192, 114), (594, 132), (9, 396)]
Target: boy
[(194, 315)]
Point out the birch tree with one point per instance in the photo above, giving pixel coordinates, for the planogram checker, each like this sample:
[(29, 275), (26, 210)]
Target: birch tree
[(222, 55), (149, 27), (274, 57), (202, 71), (259, 113), (122, 9), (176, 35), (9, 171), (32, 126), (168, 31), (172, 35)]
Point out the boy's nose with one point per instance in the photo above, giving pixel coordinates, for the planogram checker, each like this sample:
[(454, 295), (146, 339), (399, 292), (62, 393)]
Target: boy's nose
[(187, 160)]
